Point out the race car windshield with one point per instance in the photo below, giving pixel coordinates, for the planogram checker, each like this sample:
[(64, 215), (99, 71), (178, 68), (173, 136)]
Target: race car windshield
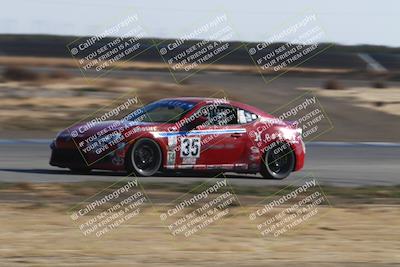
[(161, 111)]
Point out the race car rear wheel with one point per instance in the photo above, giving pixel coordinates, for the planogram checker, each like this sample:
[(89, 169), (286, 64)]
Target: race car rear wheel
[(278, 161), (145, 157)]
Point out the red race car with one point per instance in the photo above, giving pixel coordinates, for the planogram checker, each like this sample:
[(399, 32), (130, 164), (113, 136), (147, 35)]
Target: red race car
[(204, 134)]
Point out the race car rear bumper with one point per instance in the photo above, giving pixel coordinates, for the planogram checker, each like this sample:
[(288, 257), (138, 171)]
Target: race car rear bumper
[(299, 150)]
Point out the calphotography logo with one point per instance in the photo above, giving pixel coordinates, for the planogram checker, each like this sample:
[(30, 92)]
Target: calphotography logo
[(119, 42), (110, 208), (200, 208), (304, 38), (304, 119), (206, 43), (106, 132), (290, 208)]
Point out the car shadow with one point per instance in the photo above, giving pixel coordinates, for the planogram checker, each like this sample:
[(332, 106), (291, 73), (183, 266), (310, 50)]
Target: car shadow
[(64, 172), (122, 174), (207, 175)]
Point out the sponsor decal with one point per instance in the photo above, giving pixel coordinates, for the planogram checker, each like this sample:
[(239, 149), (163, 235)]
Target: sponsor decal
[(191, 161), (172, 141), (171, 157)]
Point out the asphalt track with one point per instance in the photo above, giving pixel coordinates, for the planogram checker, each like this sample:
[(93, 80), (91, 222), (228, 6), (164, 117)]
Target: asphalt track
[(332, 163)]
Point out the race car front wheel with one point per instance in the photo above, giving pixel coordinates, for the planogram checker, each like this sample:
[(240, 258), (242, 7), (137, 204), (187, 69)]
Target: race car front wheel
[(144, 158), (278, 161)]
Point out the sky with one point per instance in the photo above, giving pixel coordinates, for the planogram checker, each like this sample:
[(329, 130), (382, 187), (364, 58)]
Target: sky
[(345, 22)]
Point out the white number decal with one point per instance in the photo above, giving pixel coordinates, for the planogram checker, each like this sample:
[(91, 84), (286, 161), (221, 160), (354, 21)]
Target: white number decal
[(190, 147)]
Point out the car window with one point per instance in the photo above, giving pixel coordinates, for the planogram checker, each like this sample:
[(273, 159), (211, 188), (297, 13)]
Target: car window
[(163, 114), (220, 115), (161, 111), (245, 116)]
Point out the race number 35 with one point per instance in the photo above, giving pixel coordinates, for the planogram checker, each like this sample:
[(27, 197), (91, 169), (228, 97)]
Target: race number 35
[(190, 147)]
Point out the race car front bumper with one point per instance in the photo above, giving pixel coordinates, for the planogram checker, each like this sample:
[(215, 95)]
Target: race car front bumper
[(66, 157), (70, 157)]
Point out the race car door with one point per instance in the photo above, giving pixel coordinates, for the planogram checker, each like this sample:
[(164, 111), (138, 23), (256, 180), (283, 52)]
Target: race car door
[(218, 143)]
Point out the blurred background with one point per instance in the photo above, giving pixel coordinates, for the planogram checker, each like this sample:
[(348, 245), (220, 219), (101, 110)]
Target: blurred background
[(43, 90), (354, 73)]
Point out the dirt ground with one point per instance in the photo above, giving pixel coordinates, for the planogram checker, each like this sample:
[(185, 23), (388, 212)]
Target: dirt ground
[(363, 235)]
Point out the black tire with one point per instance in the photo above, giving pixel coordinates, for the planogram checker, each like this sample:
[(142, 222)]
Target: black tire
[(278, 161), (144, 158)]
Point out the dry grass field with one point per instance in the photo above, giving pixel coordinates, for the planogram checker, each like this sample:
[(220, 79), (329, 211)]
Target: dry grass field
[(37, 231)]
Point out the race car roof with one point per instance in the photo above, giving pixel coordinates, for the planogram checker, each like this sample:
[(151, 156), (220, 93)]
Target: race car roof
[(213, 100), (192, 99)]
